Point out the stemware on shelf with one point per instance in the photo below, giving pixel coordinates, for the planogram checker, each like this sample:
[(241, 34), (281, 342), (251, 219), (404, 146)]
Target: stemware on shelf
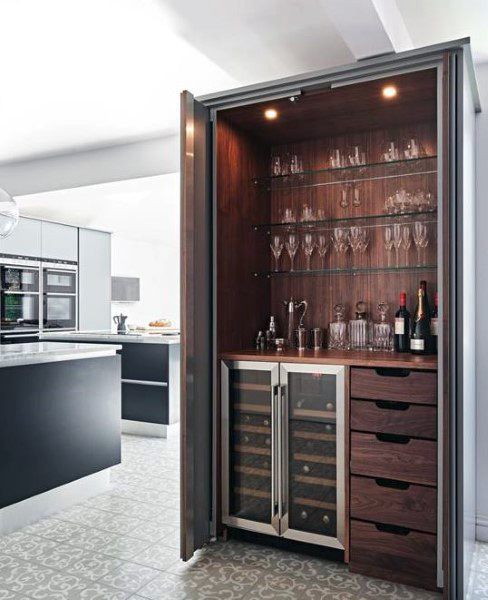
[(338, 329), (412, 149), (382, 330), (397, 242), (344, 201), (420, 239), (340, 240), (356, 156), (322, 248), (295, 164), (406, 241), (277, 248), (337, 160), (275, 166), (356, 196), (308, 244), (307, 214), (291, 245), (388, 235), (391, 152), (288, 216)]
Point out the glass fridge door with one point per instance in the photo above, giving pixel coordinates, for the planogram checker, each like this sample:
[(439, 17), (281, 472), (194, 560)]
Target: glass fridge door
[(250, 479), (313, 451)]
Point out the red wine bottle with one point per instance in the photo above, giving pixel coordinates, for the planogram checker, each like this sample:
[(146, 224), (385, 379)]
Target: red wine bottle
[(420, 338), (434, 323), (402, 326)]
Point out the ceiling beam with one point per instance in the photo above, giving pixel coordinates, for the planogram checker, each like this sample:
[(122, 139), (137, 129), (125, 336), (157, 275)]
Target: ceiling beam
[(370, 27)]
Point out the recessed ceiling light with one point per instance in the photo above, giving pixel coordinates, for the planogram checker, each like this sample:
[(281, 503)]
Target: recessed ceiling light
[(270, 113), (389, 91)]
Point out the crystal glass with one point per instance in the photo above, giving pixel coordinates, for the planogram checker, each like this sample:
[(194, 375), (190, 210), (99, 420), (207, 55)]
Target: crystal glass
[(397, 242), (406, 241), (322, 248), (291, 245), (336, 159), (356, 196), (295, 164), (390, 205), (340, 241), (420, 239), (356, 156), (338, 329), (412, 149), (277, 248), (307, 214), (391, 152), (382, 330), (344, 201), (288, 216), (320, 214), (308, 245), (9, 214), (388, 234), (359, 328), (275, 166)]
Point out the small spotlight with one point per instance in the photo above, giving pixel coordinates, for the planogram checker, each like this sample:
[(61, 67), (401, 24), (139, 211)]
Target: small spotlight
[(270, 114), (389, 91)]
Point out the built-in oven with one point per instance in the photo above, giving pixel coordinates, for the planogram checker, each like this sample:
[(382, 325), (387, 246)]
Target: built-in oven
[(59, 296), (19, 297)]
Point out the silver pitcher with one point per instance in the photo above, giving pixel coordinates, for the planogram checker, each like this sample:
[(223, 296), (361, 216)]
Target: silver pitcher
[(121, 322)]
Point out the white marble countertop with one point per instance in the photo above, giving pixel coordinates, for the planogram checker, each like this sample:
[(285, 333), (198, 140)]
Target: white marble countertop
[(108, 336), (16, 355)]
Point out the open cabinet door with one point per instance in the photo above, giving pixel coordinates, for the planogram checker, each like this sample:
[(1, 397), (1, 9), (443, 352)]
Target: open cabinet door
[(196, 326)]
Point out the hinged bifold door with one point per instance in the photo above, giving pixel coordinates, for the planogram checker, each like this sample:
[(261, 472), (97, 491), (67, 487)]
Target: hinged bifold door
[(312, 431), (196, 326), (250, 446)]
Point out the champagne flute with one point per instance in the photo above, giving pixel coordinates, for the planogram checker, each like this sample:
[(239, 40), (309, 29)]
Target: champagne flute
[(407, 241), (277, 248), (397, 241), (322, 248), (419, 236), (292, 247), (388, 243), (308, 247)]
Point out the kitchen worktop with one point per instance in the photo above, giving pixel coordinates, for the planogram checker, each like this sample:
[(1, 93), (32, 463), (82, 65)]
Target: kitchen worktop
[(15, 355), (108, 336)]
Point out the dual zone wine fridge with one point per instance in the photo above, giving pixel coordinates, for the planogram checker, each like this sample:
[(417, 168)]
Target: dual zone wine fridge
[(283, 450)]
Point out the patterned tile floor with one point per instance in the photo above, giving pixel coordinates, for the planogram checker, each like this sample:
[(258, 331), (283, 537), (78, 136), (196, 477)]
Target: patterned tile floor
[(124, 544)]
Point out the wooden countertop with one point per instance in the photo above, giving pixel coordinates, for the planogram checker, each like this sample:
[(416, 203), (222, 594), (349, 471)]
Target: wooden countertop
[(357, 358)]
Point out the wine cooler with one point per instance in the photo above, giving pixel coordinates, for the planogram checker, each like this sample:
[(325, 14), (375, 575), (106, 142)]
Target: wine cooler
[(283, 450)]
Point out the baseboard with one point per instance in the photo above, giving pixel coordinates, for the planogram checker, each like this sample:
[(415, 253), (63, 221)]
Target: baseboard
[(140, 428), (482, 528), (28, 511)]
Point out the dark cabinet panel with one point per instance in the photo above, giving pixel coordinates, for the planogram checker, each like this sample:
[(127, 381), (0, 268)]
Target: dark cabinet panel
[(404, 385), (145, 403), (145, 362)]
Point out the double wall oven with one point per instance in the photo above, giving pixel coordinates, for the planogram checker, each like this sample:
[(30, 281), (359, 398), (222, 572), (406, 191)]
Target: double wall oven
[(36, 296)]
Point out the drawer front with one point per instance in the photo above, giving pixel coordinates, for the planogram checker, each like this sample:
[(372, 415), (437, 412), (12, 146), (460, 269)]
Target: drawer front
[(394, 457), (404, 385), (145, 403), (145, 362), (394, 503), (385, 416), (392, 553)]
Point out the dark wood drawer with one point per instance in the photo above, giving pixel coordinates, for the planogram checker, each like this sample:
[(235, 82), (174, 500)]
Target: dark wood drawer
[(404, 385), (385, 416), (395, 554), (394, 503), (394, 457)]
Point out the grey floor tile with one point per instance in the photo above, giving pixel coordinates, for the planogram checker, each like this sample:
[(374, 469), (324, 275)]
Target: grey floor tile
[(153, 531), (124, 547), (158, 556), (130, 577)]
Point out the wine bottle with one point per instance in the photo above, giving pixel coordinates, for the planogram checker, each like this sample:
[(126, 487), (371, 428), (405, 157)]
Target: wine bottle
[(420, 338), (402, 326), (434, 323)]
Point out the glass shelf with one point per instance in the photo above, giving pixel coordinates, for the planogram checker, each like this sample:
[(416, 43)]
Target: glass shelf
[(349, 271), (325, 223), (349, 174)]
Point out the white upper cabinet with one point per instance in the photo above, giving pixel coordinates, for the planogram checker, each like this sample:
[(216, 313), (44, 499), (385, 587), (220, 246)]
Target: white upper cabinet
[(59, 242), (25, 240)]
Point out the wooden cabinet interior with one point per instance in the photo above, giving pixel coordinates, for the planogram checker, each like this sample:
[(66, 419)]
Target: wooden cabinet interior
[(311, 127)]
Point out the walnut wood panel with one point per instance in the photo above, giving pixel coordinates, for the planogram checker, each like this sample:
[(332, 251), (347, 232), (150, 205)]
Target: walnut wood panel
[(409, 559), (394, 503), (337, 357), (404, 385), (242, 301), (394, 417), (410, 460), (351, 108)]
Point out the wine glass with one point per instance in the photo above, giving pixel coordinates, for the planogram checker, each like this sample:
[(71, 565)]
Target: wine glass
[(388, 243), (397, 241), (356, 196), (277, 248), (322, 248), (344, 201), (275, 166), (419, 238), (355, 237), (340, 240), (291, 245), (407, 241), (308, 244)]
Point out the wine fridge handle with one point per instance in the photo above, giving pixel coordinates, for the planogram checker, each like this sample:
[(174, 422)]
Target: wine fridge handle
[(283, 455), (274, 450)]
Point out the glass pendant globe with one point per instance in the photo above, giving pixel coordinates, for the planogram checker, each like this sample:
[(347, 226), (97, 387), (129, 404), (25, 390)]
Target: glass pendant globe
[(9, 214)]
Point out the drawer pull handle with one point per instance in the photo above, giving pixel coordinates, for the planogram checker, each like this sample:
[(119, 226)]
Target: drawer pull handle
[(391, 483), (392, 438), (388, 372), (389, 405), (395, 529)]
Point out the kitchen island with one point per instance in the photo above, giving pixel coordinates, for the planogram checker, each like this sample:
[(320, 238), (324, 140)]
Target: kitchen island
[(150, 377), (59, 426)]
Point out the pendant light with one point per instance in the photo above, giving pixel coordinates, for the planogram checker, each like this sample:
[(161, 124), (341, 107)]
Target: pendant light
[(9, 214)]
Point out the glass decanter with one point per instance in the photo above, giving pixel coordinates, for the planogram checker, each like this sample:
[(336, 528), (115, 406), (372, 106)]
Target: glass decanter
[(338, 329), (360, 329), (382, 330)]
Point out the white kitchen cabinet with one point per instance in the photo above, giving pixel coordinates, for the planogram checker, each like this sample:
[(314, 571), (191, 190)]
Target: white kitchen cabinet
[(59, 242), (25, 240), (94, 268)]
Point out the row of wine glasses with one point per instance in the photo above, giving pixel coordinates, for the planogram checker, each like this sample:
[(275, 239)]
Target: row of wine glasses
[(402, 202), (400, 236), (405, 149), (286, 164)]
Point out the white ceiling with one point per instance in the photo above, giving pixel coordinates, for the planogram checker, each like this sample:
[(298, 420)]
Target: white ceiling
[(88, 73)]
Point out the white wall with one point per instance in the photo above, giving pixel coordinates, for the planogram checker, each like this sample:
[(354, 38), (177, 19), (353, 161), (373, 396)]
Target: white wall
[(481, 301)]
